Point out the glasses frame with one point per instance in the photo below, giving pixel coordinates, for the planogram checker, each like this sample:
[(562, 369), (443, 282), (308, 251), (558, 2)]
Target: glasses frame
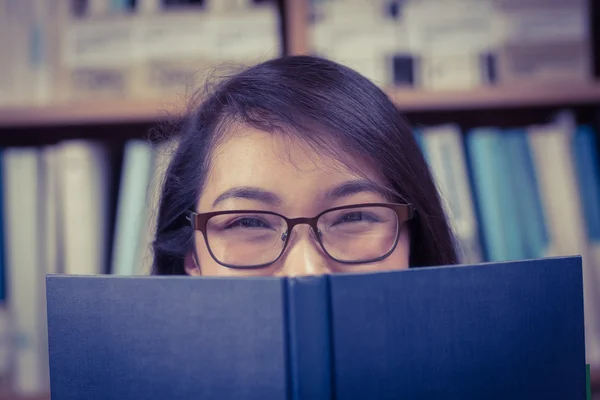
[(404, 213)]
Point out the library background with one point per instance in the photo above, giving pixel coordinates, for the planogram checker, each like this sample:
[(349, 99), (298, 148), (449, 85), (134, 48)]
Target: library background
[(503, 96)]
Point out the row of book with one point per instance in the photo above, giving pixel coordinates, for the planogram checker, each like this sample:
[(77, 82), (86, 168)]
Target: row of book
[(66, 50), (456, 44), (510, 194), (524, 193), (57, 218)]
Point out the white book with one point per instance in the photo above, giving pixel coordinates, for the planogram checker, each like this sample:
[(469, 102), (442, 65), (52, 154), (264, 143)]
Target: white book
[(447, 160), (162, 155), (131, 208), (84, 192), (551, 148), (97, 55), (24, 267), (451, 37), (52, 240), (359, 35), (248, 36)]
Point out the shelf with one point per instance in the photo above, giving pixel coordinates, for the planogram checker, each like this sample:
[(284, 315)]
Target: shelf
[(527, 95), (87, 113), (120, 112)]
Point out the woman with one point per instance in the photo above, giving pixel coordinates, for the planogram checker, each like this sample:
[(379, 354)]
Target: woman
[(293, 167)]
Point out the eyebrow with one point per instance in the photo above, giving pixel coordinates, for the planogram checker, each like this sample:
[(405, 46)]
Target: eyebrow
[(249, 193), (353, 187)]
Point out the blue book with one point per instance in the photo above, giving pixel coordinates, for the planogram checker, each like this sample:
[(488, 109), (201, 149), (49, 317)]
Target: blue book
[(527, 213), (486, 159), (587, 164), (492, 331)]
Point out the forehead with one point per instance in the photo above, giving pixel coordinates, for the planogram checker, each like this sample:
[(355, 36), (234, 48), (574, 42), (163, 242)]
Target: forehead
[(279, 162)]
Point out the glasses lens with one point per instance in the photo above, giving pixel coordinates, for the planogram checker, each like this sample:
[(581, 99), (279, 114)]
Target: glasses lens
[(358, 234), (246, 239)]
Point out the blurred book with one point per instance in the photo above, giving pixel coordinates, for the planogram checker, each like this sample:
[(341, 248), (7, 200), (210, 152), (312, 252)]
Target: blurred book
[(544, 41), (553, 146), (23, 246), (131, 210), (368, 36), (162, 155), (84, 168), (70, 50), (484, 148), (443, 145), (455, 41), (163, 48)]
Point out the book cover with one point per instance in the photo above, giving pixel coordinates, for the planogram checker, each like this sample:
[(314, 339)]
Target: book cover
[(495, 331), (510, 330)]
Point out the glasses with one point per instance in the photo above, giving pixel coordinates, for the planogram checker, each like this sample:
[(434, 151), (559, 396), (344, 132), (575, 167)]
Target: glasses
[(355, 234)]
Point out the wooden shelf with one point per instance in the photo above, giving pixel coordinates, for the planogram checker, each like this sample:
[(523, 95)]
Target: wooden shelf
[(530, 95), (121, 112), (87, 113)]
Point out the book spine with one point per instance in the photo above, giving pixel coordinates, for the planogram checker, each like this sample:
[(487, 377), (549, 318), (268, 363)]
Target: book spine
[(486, 164), (84, 170), (131, 208), (309, 338), (528, 211), (161, 158), (447, 160), (22, 216)]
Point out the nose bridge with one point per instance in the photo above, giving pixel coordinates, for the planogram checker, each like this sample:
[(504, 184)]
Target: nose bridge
[(303, 255)]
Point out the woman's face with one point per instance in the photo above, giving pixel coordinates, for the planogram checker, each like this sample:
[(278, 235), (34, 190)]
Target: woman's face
[(255, 170)]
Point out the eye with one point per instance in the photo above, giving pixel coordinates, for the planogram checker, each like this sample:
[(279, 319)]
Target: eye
[(355, 216), (248, 223)]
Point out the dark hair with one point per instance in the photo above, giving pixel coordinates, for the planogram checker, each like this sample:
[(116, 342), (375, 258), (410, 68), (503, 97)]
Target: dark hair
[(331, 107)]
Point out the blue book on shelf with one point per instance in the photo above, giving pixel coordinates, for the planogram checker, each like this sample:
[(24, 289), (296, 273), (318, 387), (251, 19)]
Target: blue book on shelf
[(585, 155), (486, 156), (507, 181), (491, 331), (532, 233)]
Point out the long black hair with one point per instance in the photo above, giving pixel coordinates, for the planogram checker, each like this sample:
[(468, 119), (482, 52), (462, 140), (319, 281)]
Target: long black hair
[(332, 108)]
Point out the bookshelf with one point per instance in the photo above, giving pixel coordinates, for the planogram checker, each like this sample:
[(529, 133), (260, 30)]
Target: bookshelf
[(133, 111), (123, 113)]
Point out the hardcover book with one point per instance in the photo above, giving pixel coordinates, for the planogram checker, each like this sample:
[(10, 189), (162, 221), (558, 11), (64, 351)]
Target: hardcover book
[(495, 331)]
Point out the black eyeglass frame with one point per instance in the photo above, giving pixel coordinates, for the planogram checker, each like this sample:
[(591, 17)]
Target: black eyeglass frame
[(404, 213)]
